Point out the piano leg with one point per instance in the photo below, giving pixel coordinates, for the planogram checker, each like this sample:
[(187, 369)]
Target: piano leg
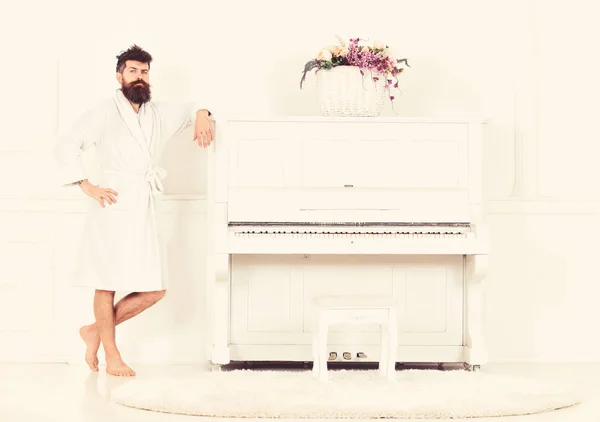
[(220, 352), (475, 348), (393, 327), (384, 356), (316, 349)]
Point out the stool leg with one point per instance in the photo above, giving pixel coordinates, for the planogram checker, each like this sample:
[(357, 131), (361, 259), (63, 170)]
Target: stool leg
[(393, 345), (385, 349), (322, 350), (315, 348)]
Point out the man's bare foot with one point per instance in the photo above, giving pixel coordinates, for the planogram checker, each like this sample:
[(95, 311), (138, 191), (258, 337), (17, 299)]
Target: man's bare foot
[(115, 366), (90, 336)]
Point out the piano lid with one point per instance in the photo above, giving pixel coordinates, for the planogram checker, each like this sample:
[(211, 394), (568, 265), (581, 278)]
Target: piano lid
[(348, 206)]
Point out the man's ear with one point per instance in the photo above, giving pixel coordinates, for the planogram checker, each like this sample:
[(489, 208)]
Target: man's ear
[(119, 77)]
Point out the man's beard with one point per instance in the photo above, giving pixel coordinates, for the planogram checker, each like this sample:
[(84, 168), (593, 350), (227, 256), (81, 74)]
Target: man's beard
[(137, 92)]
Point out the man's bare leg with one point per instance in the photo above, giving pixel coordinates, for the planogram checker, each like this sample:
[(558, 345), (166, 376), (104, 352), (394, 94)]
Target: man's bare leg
[(128, 307), (89, 334), (104, 311)]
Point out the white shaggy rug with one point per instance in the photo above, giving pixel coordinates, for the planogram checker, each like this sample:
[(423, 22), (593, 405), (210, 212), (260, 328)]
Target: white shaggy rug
[(416, 394)]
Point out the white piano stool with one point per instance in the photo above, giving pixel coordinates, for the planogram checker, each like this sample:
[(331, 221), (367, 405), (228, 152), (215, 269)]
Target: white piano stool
[(355, 309)]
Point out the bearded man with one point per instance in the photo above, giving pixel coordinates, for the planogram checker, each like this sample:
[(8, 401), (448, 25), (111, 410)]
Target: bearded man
[(121, 249)]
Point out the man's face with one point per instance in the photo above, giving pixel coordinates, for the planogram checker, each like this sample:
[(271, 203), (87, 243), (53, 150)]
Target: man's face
[(134, 82)]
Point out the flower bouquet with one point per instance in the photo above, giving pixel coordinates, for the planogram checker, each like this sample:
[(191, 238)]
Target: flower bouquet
[(353, 78)]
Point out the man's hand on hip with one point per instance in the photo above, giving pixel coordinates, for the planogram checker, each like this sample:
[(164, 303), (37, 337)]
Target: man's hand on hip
[(99, 194)]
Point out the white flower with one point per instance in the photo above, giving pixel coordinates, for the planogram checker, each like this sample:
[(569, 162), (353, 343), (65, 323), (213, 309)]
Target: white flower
[(378, 44), (334, 49), (324, 54), (364, 42), (341, 40)]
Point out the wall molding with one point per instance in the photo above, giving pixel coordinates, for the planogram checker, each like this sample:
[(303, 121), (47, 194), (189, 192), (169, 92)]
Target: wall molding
[(198, 203), (526, 109), (543, 206), (72, 205)]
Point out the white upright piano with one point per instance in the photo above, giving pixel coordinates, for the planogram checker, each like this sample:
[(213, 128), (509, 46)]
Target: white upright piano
[(305, 206)]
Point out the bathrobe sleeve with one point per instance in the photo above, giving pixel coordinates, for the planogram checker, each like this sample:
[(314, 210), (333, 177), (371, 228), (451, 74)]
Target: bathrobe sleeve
[(84, 134), (178, 117)]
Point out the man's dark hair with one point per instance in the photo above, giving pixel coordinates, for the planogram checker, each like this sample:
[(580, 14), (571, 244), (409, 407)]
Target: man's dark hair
[(133, 53)]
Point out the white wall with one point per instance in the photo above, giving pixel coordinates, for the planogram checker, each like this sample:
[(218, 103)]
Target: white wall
[(525, 65)]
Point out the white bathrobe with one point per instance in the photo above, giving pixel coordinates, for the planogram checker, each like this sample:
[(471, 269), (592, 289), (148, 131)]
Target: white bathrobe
[(121, 249)]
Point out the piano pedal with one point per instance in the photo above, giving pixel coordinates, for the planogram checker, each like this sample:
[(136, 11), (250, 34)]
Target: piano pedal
[(347, 355), (332, 355), (361, 355)]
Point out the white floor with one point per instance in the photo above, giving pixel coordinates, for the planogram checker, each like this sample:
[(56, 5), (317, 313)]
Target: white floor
[(57, 392)]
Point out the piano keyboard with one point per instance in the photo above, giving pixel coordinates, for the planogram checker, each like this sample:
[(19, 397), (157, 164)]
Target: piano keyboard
[(352, 229), (349, 238)]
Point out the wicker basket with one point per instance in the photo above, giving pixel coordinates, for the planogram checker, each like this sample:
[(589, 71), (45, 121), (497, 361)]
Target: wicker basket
[(343, 91)]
